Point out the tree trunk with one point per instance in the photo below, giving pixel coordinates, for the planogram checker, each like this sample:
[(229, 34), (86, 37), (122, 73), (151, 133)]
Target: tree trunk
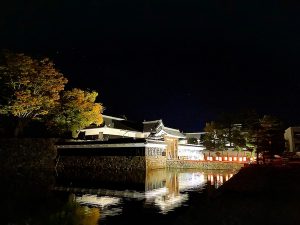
[(19, 129)]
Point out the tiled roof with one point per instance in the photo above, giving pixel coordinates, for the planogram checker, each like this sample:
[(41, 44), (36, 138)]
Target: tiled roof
[(173, 132), (118, 123), (128, 125), (155, 127), (151, 126)]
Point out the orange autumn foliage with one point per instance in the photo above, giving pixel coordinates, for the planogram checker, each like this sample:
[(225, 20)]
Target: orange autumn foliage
[(30, 87), (78, 110)]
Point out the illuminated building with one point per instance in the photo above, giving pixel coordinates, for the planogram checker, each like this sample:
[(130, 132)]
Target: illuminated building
[(159, 139), (292, 138)]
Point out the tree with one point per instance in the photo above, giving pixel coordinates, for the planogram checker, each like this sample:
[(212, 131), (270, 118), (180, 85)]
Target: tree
[(192, 140), (212, 136), (226, 123), (251, 126), (77, 110), (29, 88), (271, 135), (246, 130), (263, 134), (224, 133)]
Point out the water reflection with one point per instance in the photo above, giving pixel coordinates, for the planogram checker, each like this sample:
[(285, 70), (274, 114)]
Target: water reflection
[(164, 190), (74, 214), (217, 180), (92, 198), (103, 204)]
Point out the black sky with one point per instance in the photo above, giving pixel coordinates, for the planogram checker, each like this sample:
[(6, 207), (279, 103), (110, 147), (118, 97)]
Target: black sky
[(183, 61)]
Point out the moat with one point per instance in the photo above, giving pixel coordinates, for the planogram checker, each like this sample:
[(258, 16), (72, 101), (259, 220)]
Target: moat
[(87, 198)]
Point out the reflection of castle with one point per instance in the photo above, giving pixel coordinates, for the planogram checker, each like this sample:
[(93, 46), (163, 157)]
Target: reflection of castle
[(164, 189), (178, 183), (175, 183)]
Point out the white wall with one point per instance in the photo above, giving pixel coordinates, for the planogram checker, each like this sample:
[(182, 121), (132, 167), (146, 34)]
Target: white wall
[(116, 132), (190, 152)]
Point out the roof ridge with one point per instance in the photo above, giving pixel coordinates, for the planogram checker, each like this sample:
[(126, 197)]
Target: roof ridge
[(172, 128), (113, 117), (200, 132), (152, 121)]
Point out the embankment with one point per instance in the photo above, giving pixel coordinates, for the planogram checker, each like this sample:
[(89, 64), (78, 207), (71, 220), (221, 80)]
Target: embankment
[(189, 164), (27, 153), (256, 195)]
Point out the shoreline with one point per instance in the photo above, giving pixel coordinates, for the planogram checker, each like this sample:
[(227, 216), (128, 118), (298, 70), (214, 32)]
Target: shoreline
[(255, 195)]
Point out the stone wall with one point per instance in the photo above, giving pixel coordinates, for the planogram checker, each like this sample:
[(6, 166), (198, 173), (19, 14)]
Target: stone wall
[(203, 165), (109, 171), (155, 158), (27, 153), (113, 163), (155, 162)]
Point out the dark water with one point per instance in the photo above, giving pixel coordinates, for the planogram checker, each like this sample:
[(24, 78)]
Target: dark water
[(90, 197)]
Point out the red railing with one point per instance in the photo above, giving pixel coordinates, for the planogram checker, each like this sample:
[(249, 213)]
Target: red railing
[(241, 159)]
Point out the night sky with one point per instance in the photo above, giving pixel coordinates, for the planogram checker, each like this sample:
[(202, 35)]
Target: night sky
[(182, 61)]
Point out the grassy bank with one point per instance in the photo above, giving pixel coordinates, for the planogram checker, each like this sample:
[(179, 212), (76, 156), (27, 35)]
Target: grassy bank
[(256, 195)]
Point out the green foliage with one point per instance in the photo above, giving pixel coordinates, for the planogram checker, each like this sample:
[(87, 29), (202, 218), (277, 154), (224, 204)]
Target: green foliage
[(223, 134), (192, 141), (245, 130), (270, 135), (211, 140)]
